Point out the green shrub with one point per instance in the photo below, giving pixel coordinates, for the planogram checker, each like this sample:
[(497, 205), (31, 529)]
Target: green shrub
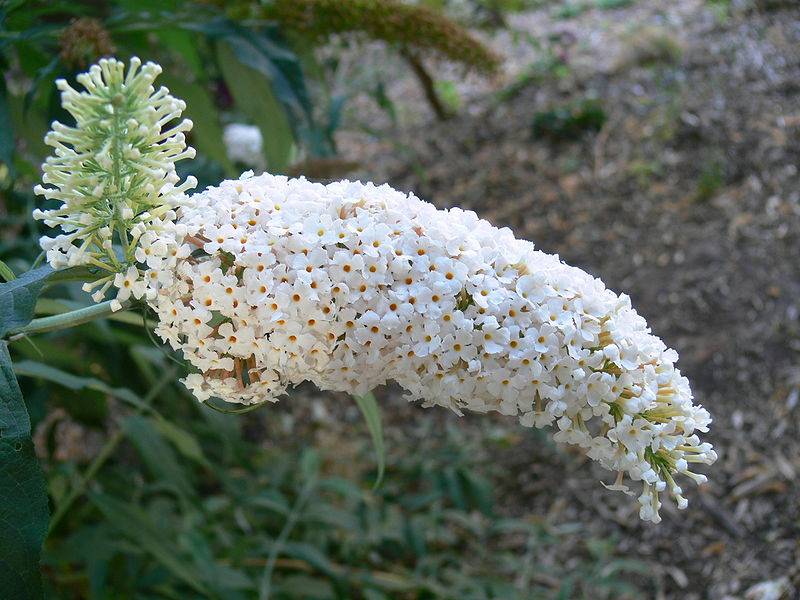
[(711, 180), (569, 122)]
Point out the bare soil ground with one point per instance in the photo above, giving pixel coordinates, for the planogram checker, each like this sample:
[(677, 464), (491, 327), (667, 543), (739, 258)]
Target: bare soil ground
[(687, 199)]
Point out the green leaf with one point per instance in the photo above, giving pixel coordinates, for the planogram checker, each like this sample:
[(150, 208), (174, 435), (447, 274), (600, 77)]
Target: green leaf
[(6, 273), (309, 464), (23, 495), (265, 50), (157, 454), (30, 368), (135, 524), (184, 441), (305, 586), (322, 513), (312, 555), (372, 416), (271, 500), (253, 96), (207, 131), (18, 298), (478, 490), (184, 44)]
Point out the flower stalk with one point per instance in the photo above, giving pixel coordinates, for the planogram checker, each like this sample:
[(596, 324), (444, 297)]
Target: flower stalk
[(64, 320)]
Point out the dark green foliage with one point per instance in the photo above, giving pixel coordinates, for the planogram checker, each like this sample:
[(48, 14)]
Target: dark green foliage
[(285, 519), (711, 180), (182, 37), (569, 122), (368, 406), (23, 497), (18, 298)]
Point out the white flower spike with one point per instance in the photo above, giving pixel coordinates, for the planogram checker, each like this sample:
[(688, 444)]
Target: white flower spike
[(114, 170), (266, 282)]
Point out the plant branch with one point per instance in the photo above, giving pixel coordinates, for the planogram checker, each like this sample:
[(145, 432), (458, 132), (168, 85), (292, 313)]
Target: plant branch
[(280, 541), (64, 320), (50, 306), (427, 83)]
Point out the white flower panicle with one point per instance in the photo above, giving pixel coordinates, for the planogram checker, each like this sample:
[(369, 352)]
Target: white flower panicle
[(266, 282), (114, 171), (244, 144)]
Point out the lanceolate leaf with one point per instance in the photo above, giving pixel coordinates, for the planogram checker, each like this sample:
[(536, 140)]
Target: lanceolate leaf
[(5, 272), (265, 51), (157, 454), (254, 97), (207, 131), (372, 416), (23, 496), (136, 525), (184, 441), (18, 298), (30, 368)]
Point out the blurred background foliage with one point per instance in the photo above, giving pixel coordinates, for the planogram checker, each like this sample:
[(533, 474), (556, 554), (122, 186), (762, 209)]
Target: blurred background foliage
[(155, 496)]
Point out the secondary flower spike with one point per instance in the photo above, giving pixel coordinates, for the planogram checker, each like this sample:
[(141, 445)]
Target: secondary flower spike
[(113, 171), (266, 282)]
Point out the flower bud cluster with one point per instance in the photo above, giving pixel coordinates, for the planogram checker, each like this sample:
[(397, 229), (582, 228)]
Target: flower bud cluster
[(266, 282), (113, 172)]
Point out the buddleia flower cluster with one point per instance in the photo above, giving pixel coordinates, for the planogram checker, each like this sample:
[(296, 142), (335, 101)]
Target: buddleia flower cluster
[(113, 172), (350, 286), (266, 282)]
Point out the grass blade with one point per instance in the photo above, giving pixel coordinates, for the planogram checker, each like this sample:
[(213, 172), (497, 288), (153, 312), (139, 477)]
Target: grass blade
[(372, 416)]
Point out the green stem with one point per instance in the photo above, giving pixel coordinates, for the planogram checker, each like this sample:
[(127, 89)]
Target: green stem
[(280, 541), (117, 181), (39, 260), (49, 306), (105, 453), (6, 273), (64, 320)]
